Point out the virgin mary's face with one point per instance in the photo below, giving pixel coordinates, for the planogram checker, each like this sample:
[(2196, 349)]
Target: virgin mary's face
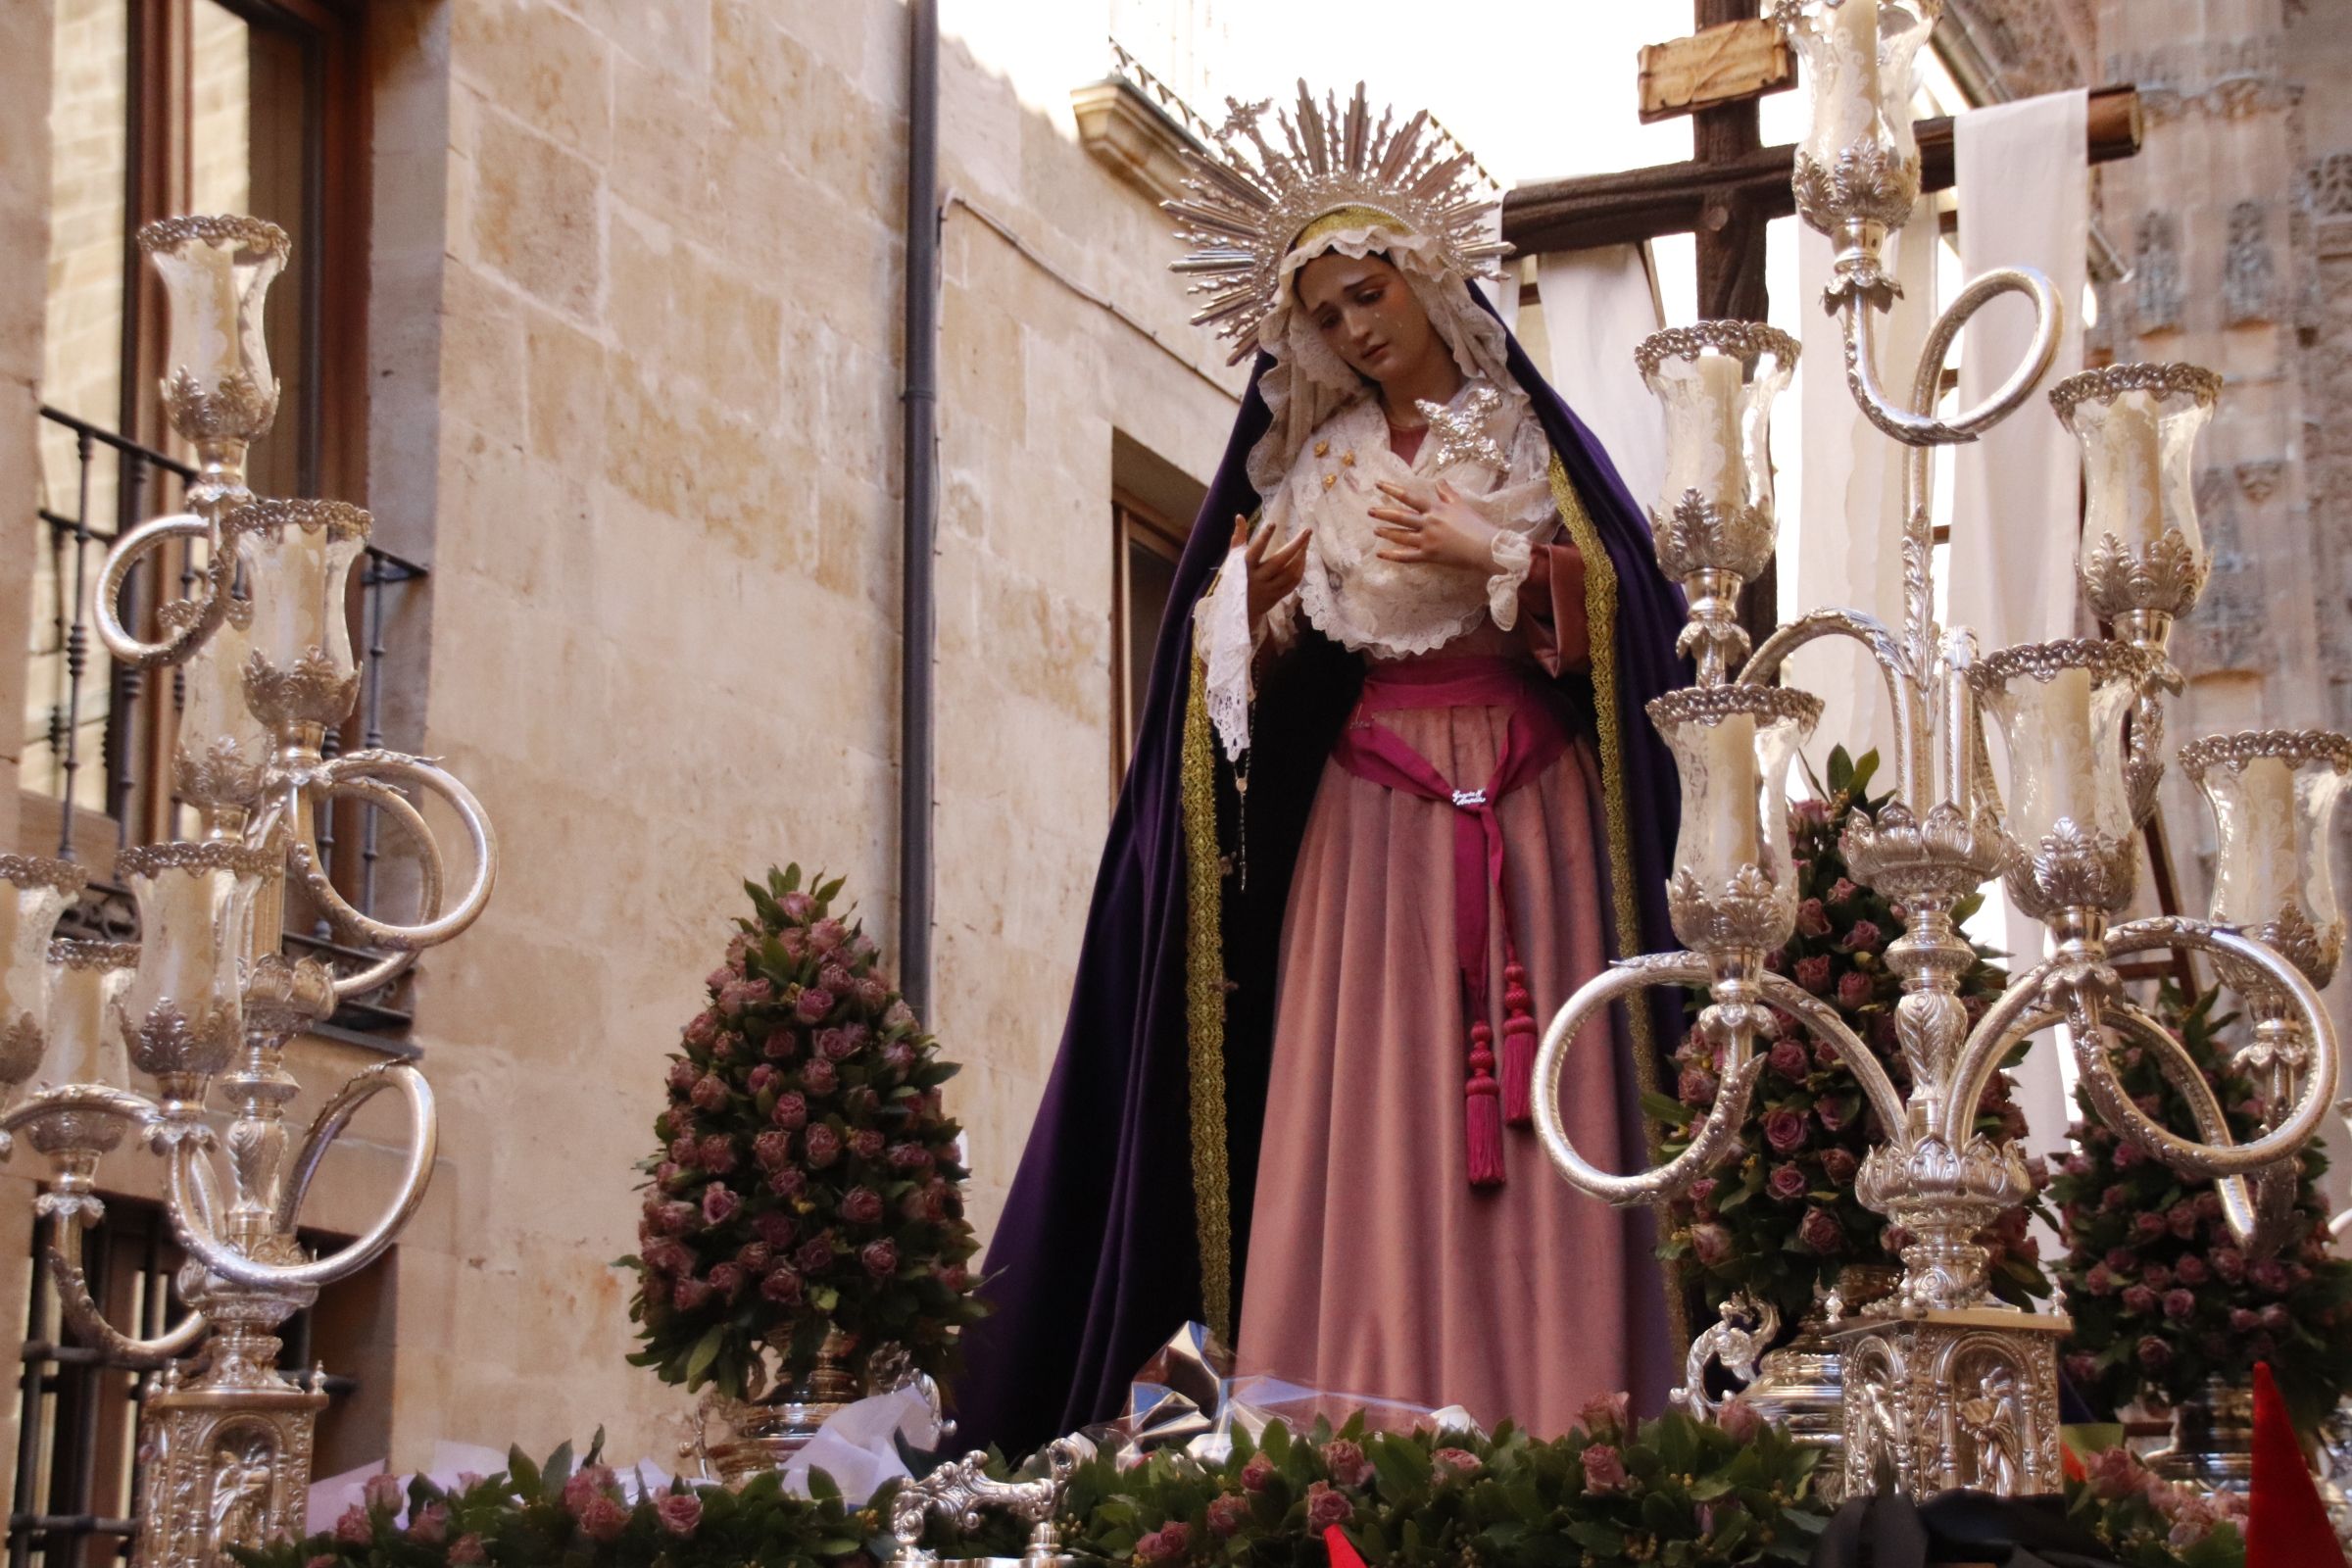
[(1366, 314)]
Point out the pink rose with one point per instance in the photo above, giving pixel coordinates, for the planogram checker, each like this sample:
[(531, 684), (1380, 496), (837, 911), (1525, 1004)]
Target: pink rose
[(710, 1091), (2229, 1263), (715, 1153), (2139, 1300), (690, 1295), (909, 1156), (1694, 1086), (899, 1058), (897, 1015), (2099, 1282), (2116, 1473), (822, 1145), (353, 1528), (1167, 1543), (1460, 1463), (796, 905), (2126, 1154), (1702, 1192), (728, 1279), (881, 1258), (1786, 1182), (1812, 919), (791, 1113), (719, 1203), (2182, 1219), (2179, 1303), (431, 1524), (772, 1149), (1326, 1507), (755, 1256), (685, 1149), (2275, 1318), (956, 1278), (2191, 1270), (1605, 1413), (862, 1206), (872, 992), (837, 1044), (2147, 1226), (1710, 1243), (1819, 1231), (1813, 974), (782, 1286), (585, 1485), (700, 1030), (815, 1254), (866, 1144), (762, 1077), (682, 1075), (605, 1519), (781, 1045), (2153, 1352), (1258, 1472), (819, 1078), (836, 979), (1346, 1462), (467, 1551), (1854, 988), (2268, 1276), (1604, 1468), (827, 933), (788, 1183), (1784, 1129), (775, 1229), (1791, 1060), (2155, 1276), (1741, 1421), (1228, 1511), (680, 1512), (1862, 937), (384, 1493), (1840, 1166), (813, 1003), (1841, 891)]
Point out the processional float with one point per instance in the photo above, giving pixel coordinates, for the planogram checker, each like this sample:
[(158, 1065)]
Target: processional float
[(1941, 1385), (207, 999)]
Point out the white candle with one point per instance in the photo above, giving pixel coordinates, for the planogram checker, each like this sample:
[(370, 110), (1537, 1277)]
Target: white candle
[(2127, 475), (1846, 102), (2258, 874), (1702, 433), (84, 1047), (1727, 834), (2052, 762)]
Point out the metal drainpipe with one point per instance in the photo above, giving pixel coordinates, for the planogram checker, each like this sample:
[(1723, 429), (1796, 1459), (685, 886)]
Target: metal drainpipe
[(919, 621)]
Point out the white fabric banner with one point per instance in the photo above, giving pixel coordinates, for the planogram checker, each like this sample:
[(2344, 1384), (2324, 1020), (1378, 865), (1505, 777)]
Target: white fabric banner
[(1842, 547), (1597, 303), (2024, 178)]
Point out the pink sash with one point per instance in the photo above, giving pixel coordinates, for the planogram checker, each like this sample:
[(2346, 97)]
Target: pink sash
[(1533, 742)]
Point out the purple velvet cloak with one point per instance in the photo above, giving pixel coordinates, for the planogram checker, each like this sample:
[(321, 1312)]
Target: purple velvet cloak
[(1097, 1259)]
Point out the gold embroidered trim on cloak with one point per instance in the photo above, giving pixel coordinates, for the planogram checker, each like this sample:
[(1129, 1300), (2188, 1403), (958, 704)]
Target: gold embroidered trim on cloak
[(1600, 617), (1204, 1007)]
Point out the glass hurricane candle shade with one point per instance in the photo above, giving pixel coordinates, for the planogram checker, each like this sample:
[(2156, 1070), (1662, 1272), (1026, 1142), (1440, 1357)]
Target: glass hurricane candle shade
[(85, 1036), (2143, 557), (2060, 708), (223, 751), (1859, 159), (297, 557), (33, 893), (1733, 745), (182, 1011), (216, 273), (2274, 795)]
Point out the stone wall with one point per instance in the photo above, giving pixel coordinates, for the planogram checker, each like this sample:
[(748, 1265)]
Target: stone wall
[(634, 373)]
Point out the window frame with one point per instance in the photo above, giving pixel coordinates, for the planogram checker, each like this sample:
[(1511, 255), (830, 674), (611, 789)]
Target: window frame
[(1134, 522)]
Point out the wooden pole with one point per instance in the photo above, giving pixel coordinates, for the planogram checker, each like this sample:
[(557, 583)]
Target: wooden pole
[(1731, 227)]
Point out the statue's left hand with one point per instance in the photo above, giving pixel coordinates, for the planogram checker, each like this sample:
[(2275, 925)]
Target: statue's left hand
[(1436, 527)]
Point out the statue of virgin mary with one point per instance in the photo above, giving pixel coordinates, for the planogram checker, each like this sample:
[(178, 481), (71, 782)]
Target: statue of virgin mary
[(1393, 801)]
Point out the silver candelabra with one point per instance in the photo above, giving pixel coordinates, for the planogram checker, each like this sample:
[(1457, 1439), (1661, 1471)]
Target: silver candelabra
[(207, 999), (1943, 1386)]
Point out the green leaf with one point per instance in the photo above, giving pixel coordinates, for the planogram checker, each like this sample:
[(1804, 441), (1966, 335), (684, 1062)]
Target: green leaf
[(1842, 771), (705, 1351)]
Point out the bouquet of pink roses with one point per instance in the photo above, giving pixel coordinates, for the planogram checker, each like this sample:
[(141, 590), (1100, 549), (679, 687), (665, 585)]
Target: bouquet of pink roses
[(806, 1181), (1783, 1221)]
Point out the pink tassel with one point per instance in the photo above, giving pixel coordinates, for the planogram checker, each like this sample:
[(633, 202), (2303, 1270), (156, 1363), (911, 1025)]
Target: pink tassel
[(1481, 1105), (1518, 1048)]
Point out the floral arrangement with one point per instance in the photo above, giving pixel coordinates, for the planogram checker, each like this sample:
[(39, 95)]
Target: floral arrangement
[(807, 1182), (2161, 1298), (1782, 1223), (1672, 1490), (2149, 1522)]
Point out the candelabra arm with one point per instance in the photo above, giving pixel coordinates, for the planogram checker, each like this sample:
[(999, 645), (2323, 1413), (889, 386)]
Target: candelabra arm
[(1824, 1022), (431, 872), (1716, 1136), (324, 1129), (1914, 745), (345, 774), (193, 625), (1924, 428), (194, 1227), (2016, 1015), (2255, 1214), (83, 1313)]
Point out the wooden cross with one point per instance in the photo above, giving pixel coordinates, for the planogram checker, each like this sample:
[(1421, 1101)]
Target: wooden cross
[(1728, 192)]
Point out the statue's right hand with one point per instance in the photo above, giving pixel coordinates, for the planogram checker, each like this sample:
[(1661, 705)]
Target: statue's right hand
[(1274, 570)]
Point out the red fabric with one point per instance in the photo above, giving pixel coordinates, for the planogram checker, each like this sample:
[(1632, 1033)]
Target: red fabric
[(1551, 608), (1343, 1550), (1535, 741), (2286, 1524)]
